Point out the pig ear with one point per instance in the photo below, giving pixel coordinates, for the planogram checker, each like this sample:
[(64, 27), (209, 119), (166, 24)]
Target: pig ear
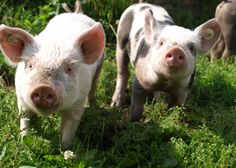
[(208, 33), (13, 42), (149, 26), (92, 43)]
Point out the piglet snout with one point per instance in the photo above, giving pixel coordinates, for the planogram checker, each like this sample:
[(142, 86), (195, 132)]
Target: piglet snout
[(175, 57), (44, 96)]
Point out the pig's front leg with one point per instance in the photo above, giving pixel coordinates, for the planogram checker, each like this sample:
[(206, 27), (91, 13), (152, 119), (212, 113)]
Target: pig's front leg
[(139, 96), (25, 116), (70, 122), (25, 120), (24, 126), (177, 99), (122, 60)]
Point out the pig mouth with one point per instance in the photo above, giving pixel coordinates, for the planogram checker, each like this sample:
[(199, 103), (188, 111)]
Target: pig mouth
[(170, 71), (47, 110), (44, 111), (175, 68)]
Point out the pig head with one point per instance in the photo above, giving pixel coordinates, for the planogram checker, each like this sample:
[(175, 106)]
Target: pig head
[(161, 53), (56, 70), (225, 46)]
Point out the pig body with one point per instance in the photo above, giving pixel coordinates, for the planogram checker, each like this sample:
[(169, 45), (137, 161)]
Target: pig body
[(56, 70), (161, 53), (226, 45)]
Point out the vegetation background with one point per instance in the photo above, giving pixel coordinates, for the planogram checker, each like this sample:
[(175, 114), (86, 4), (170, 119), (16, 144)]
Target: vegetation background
[(202, 133)]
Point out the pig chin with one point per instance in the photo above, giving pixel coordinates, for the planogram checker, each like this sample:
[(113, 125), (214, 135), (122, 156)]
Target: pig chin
[(44, 111), (170, 71), (173, 69)]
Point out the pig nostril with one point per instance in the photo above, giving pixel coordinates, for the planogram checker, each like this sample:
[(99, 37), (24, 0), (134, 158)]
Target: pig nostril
[(36, 96), (181, 57), (168, 55), (49, 96)]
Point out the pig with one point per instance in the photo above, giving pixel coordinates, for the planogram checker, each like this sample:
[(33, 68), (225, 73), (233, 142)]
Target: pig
[(161, 53), (57, 70), (225, 46)]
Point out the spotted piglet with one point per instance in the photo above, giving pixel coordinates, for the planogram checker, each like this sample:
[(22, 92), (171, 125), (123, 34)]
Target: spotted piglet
[(161, 53), (57, 69)]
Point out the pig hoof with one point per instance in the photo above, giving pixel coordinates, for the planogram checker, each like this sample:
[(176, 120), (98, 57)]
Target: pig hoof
[(24, 127), (66, 146), (117, 101)]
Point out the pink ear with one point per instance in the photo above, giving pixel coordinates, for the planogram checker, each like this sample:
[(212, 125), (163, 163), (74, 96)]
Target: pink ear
[(208, 33), (13, 41), (92, 43)]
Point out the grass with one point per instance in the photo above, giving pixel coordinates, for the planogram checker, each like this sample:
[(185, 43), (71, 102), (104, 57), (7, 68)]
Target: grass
[(199, 134)]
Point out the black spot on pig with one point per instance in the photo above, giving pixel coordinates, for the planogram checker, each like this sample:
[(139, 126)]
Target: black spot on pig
[(227, 1), (166, 22), (139, 34), (142, 51), (125, 27), (144, 8)]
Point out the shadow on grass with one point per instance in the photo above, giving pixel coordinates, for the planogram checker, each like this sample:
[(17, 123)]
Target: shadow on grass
[(121, 143), (213, 103), (46, 130)]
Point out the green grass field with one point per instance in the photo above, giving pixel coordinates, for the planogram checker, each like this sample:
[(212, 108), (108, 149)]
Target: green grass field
[(202, 133)]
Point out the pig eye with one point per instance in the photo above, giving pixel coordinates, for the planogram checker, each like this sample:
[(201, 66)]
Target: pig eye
[(30, 66), (192, 48), (161, 43), (69, 69)]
